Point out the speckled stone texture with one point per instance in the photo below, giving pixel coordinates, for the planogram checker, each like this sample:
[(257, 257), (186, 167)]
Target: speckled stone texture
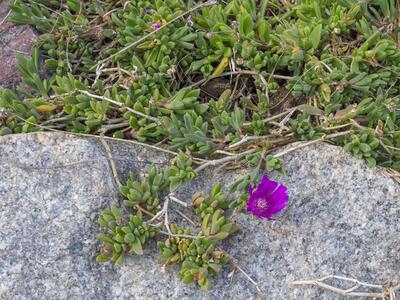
[(342, 218), (13, 39)]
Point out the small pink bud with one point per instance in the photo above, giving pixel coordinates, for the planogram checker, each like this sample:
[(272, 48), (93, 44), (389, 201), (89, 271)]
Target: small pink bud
[(155, 26)]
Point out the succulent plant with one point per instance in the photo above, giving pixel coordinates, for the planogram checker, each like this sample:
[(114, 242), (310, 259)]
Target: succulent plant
[(213, 83)]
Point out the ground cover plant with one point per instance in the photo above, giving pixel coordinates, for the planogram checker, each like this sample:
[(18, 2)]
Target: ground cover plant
[(223, 83)]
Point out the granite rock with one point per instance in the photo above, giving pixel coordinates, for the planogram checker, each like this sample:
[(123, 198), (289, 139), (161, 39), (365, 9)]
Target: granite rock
[(342, 218), (13, 39)]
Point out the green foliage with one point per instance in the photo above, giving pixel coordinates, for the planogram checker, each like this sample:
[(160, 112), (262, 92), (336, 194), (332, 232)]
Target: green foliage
[(186, 101), (198, 255), (122, 235), (190, 133), (208, 205), (143, 57), (212, 84), (304, 129), (146, 191), (241, 188), (180, 171), (216, 226), (29, 70), (274, 164), (362, 145)]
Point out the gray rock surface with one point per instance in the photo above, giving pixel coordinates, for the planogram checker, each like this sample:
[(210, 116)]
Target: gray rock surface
[(342, 218), (13, 39)]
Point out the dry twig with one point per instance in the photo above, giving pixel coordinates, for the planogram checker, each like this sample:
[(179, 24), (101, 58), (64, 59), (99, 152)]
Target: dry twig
[(274, 117), (186, 217), (110, 159), (392, 174), (223, 160), (176, 200), (249, 138), (107, 138), (115, 173), (5, 18), (384, 293), (241, 72), (236, 266), (239, 155), (302, 145)]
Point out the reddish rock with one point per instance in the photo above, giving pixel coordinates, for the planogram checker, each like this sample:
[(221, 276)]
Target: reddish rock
[(13, 39), (4, 10)]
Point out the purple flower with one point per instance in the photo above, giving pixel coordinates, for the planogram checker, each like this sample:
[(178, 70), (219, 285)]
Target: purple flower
[(268, 199), (155, 26)]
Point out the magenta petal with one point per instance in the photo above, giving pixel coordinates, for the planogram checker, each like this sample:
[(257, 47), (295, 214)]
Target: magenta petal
[(280, 195), (267, 185), (267, 199), (250, 189), (265, 181), (155, 26)]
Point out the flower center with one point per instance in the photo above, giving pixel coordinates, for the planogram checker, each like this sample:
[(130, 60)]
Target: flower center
[(262, 204)]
